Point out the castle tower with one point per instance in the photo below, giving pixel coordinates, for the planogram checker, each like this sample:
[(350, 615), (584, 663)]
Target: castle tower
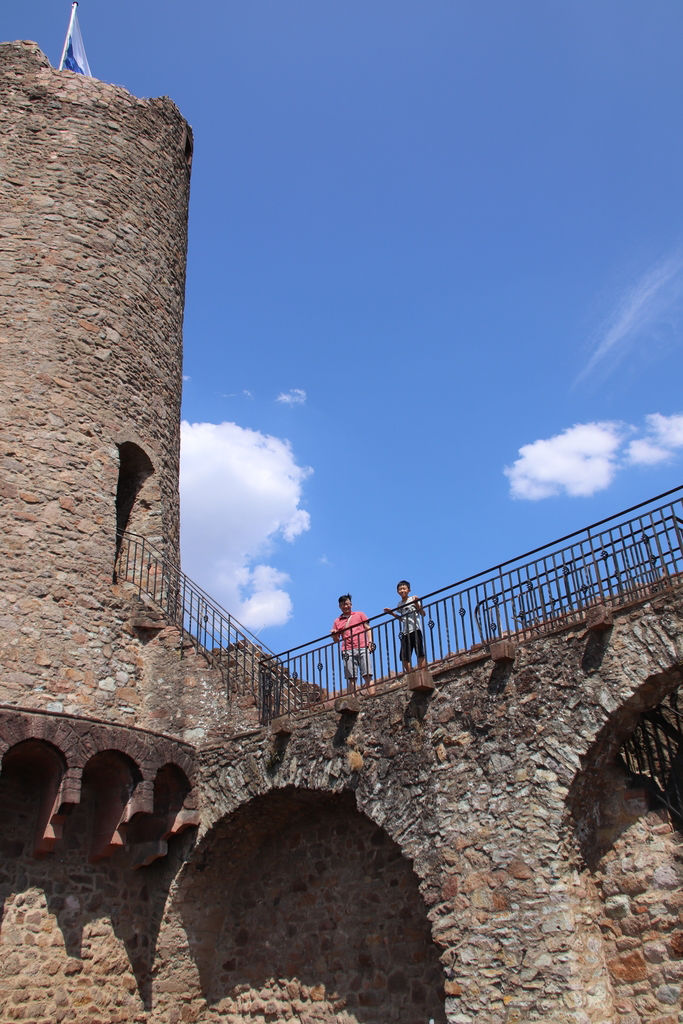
[(94, 187)]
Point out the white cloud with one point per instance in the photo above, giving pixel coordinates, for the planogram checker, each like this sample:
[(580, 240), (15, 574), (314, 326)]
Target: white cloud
[(667, 429), (296, 396), (641, 310), (665, 435), (579, 461), (586, 457), (240, 491), (645, 453)]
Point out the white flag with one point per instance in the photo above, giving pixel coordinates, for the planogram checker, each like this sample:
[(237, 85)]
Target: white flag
[(73, 55)]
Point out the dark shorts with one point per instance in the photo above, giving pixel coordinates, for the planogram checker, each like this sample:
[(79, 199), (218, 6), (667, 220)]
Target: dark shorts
[(412, 642)]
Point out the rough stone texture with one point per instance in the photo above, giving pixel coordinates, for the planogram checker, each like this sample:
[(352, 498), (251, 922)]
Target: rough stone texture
[(473, 786), (474, 853), (640, 880), (319, 918), (94, 186), (77, 939)]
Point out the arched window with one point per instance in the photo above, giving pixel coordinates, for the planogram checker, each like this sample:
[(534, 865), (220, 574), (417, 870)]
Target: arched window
[(134, 468)]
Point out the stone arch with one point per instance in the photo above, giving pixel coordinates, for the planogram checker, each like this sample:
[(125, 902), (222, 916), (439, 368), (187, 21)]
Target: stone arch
[(59, 731), (110, 777), (78, 739), (135, 467), (633, 875), (596, 809), (32, 774), (312, 907)]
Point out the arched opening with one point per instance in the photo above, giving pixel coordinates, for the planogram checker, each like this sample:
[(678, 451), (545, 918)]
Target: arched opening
[(32, 772), (109, 779), (188, 146), (627, 811), (135, 467), (147, 834), (300, 906), (653, 756)]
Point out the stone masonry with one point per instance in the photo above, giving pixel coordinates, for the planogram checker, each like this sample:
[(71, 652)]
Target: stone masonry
[(94, 186), (475, 853)]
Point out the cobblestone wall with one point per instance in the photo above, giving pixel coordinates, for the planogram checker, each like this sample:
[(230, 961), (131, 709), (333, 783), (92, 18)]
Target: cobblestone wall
[(78, 938), (641, 884), (473, 785), (93, 216), (551, 887)]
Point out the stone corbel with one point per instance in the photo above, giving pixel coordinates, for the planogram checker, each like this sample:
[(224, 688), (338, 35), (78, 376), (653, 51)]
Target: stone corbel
[(68, 795), (179, 822), (599, 618), (420, 681), (504, 651), (141, 802), (149, 850)]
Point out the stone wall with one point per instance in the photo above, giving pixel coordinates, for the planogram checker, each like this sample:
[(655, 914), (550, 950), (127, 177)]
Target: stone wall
[(319, 918), (79, 923), (93, 232), (640, 880), (520, 874), (474, 785)]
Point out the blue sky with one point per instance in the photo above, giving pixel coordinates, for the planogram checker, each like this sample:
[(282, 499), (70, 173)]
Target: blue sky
[(430, 240)]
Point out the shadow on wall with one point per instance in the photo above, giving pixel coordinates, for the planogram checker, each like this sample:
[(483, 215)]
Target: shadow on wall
[(318, 912), (135, 467), (624, 806), (80, 909), (609, 795)]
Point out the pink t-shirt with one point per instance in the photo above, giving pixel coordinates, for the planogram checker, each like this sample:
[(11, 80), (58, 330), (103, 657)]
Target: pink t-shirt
[(352, 630)]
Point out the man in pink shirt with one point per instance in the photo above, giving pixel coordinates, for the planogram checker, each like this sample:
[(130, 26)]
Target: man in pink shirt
[(356, 639)]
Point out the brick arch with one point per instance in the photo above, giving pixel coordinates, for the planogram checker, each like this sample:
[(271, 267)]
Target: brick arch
[(292, 849), (38, 768), (78, 739), (77, 742), (61, 733)]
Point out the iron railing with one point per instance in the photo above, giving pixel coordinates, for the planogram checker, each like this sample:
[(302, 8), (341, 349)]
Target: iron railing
[(618, 560), (654, 753), (211, 630)]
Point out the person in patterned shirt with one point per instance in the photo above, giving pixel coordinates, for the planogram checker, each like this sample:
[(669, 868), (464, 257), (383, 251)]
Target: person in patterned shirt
[(410, 611)]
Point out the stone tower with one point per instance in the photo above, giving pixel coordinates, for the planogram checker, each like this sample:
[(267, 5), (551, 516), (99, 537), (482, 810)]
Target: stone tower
[(93, 234)]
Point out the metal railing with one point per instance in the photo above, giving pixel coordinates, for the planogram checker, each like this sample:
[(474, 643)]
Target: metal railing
[(212, 631), (618, 560)]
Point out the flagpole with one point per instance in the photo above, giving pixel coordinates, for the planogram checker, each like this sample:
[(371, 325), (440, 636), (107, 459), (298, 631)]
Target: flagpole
[(68, 32)]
